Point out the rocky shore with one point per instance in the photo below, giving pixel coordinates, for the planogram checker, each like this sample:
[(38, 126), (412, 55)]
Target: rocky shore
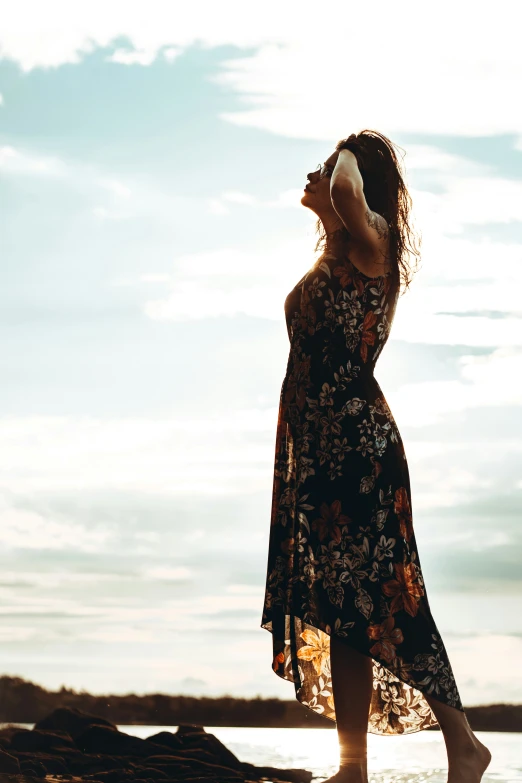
[(72, 746)]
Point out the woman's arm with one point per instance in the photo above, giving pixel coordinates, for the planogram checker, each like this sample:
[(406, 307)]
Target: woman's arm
[(369, 229)]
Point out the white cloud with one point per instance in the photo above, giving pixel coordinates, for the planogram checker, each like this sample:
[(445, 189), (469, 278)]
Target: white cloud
[(23, 162), (23, 529), (419, 157), (166, 573), (483, 666), (171, 53), (117, 188), (288, 199), (229, 281), (282, 82), (486, 381), (133, 56), (216, 207), (236, 197), (222, 455), (468, 201)]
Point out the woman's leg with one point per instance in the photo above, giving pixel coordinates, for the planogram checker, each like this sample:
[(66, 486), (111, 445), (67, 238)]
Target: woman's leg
[(467, 756), (352, 683)]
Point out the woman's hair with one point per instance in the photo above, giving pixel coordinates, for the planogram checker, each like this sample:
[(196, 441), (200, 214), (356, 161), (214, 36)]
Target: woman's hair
[(385, 193)]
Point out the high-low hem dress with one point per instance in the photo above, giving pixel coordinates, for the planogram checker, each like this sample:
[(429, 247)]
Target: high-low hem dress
[(342, 556)]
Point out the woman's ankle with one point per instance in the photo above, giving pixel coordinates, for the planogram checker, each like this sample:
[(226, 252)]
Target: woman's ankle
[(355, 771)]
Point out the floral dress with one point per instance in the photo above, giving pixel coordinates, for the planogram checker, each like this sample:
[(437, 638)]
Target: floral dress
[(342, 555)]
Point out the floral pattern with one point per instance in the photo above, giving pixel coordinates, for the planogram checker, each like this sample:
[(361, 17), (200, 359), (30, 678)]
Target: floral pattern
[(342, 555)]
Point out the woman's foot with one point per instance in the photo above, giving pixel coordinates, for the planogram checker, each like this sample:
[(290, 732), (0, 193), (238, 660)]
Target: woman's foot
[(469, 763), (350, 774)]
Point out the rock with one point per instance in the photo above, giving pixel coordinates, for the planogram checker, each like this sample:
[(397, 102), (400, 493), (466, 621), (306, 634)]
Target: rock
[(173, 766), (7, 732), (81, 748), (52, 763), (33, 767), (151, 772), (9, 763), (36, 740), (6, 777), (111, 776), (71, 720), (54, 766), (100, 739), (190, 729), (196, 740)]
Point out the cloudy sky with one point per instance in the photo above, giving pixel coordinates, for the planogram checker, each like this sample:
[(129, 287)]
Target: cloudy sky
[(152, 162)]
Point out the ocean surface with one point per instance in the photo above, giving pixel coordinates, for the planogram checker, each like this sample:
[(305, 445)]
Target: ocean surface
[(415, 758)]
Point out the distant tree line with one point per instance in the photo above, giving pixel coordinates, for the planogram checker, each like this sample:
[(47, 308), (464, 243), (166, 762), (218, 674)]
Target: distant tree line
[(22, 701)]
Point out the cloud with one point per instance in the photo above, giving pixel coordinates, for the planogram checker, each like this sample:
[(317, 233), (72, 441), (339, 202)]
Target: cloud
[(13, 160), (281, 80), (289, 199), (483, 667), (219, 455), (482, 314), (133, 56), (486, 381), (29, 530)]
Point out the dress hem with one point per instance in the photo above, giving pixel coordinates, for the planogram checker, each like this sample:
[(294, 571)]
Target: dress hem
[(435, 726)]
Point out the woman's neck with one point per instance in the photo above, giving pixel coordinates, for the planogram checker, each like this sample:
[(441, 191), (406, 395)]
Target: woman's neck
[(337, 239)]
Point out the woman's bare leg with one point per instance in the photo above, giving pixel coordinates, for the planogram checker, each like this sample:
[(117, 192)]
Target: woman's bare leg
[(352, 683), (467, 756)]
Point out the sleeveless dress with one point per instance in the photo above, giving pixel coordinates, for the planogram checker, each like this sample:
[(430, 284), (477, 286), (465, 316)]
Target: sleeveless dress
[(342, 556)]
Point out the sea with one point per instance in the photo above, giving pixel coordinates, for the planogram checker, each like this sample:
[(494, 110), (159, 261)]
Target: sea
[(413, 758)]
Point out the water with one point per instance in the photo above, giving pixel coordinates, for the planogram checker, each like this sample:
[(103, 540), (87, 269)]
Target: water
[(414, 758)]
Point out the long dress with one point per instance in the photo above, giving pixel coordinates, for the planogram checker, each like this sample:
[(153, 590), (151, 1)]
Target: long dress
[(342, 557)]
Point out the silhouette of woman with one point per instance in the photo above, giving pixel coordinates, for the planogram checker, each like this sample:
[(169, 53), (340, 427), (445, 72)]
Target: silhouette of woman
[(345, 600)]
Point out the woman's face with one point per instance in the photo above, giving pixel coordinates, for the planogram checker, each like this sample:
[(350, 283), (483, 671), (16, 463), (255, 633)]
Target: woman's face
[(317, 191)]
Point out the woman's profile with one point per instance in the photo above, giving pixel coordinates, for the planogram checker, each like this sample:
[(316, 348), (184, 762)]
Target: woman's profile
[(345, 599)]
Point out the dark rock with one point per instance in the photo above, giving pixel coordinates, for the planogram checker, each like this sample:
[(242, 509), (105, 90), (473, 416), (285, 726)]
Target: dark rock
[(95, 751), (6, 777), (189, 728), (33, 767), (196, 740), (9, 763), (7, 732), (71, 720), (171, 766), (112, 776), (94, 763), (166, 738), (41, 740), (53, 764), (151, 772), (101, 739), (91, 763)]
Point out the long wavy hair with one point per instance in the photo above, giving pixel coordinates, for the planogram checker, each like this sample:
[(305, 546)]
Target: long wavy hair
[(386, 193)]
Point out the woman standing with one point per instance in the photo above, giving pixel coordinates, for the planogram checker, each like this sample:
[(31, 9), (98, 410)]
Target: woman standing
[(345, 600)]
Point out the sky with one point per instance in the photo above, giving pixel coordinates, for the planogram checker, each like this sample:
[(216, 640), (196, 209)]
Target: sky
[(152, 162)]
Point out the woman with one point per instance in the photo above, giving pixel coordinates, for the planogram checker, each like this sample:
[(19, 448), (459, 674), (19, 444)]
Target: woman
[(346, 602)]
